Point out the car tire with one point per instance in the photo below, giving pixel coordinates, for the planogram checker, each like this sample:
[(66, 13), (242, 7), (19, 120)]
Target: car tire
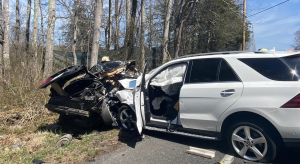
[(127, 118), (262, 145)]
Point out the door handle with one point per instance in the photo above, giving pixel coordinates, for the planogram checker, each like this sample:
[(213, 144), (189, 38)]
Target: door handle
[(227, 92)]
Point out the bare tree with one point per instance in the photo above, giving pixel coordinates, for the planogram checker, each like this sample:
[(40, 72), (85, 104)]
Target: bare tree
[(27, 30), (75, 32), (74, 16), (128, 17), (95, 44), (297, 40), (166, 31), (49, 43), (43, 38), (142, 37), (185, 11), (17, 30), (130, 41), (109, 25), (150, 24), (6, 60), (35, 32), (117, 17)]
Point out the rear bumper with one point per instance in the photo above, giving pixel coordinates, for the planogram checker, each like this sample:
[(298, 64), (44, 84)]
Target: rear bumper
[(291, 142)]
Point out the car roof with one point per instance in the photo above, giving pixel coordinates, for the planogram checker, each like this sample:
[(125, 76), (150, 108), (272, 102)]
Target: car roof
[(236, 54)]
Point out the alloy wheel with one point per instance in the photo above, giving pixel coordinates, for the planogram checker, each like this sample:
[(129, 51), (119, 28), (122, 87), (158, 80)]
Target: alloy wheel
[(128, 120), (249, 143)]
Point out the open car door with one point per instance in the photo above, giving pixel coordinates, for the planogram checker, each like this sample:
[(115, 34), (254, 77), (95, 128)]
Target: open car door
[(139, 102)]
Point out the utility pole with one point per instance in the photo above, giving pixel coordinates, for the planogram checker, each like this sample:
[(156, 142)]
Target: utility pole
[(244, 26), (253, 39)]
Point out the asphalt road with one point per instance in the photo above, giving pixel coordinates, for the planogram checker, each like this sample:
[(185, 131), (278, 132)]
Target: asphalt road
[(159, 147)]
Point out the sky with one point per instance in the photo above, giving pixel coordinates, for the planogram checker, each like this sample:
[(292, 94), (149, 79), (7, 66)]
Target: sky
[(274, 27)]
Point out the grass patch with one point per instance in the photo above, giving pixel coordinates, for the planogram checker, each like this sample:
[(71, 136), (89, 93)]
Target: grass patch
[(42, 144)]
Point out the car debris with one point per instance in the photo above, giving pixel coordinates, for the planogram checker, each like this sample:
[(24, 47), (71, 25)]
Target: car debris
[(37, 161), (201, 152), (87, 95), (17, 145), (64, 140)]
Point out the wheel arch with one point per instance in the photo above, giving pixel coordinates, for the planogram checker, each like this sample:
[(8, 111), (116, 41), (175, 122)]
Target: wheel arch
[(246, 115)]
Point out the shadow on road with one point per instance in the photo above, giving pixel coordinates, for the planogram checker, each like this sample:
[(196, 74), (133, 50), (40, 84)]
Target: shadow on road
[(130, 138), (286, 155)]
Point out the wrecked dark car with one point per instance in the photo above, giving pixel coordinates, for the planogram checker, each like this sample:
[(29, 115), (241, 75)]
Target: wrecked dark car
[(102, 94)]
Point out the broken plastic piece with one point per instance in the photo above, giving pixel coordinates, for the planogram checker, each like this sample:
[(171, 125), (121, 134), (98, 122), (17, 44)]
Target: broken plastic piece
[(17, 145), (201, 152), (64, 140)]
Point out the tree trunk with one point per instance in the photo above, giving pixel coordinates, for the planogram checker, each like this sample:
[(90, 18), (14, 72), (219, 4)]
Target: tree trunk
[(128, 24), (128, 17), (49, 42), (166, 31), (27, 30), (142, 37), (34, 37), (117, 17), (130, 42), (184, 7), (1, 44), (150, 25), (95, 44), (6, 60), (43, 38), (109, 25), (75, 33), (17, 32)]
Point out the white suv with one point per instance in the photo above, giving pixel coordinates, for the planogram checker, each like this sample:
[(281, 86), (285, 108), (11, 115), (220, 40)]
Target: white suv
[(251, 99)]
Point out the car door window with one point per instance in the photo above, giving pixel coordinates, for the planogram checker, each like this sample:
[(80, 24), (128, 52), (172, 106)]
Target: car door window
[(204, 70), (226, 73)]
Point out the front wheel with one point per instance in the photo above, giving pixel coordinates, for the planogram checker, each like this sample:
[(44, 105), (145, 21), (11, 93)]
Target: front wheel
[(127, 118), (252, 141)]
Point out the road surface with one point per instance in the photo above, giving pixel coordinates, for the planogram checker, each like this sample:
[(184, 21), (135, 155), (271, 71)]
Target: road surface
[(159, 147)]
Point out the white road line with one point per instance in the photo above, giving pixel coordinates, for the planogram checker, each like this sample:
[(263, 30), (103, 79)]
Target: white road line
[(227, 159)]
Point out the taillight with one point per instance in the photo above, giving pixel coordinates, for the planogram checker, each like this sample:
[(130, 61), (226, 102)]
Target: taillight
[(293, 103), (47, 80)]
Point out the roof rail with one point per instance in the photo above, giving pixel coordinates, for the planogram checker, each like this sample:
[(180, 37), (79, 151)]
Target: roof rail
[(218, 53)]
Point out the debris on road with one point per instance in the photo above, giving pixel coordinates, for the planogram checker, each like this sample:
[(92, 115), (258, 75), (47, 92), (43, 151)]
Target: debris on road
[(201, 152), (227, 159), (17, 145), (64, 140), (1, 136)]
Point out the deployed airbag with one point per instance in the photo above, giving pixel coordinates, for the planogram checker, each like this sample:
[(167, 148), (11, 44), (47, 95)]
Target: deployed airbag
[(171, 75)]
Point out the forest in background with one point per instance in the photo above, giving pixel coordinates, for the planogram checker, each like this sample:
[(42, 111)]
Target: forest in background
[(156, 30)]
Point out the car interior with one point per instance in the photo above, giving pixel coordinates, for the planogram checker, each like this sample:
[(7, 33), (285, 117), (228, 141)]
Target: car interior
[(164, 91)]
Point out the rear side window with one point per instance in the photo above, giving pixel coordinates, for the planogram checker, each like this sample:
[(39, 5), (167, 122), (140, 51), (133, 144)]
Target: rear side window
[(204, 70), (226, 73), (271, 68), (293, 62)]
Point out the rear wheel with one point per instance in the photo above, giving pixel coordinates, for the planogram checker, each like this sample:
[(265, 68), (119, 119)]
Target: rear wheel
[(252, 141), (127, 118)]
